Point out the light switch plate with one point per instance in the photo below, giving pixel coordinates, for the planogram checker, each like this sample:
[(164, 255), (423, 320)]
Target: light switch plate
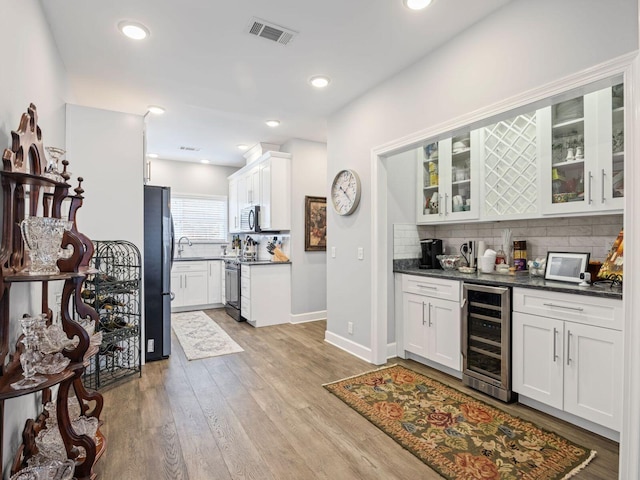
[(333, 252), (360, 253)]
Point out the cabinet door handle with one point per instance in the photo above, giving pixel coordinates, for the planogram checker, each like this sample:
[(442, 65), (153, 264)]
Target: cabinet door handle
[(568, 347), (445, 204), (553, 305), (429, 314), (602, 180), (590, 186), (422, 285), (555, 336), (180, 281), (185, 281), (439, 204), (423, 321)]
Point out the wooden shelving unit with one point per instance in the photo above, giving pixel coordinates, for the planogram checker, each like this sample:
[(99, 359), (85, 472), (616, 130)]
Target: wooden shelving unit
[(28, 192)]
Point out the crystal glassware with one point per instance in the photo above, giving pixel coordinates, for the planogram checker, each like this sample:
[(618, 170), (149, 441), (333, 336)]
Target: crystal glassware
[(43, 237), (30, 356), (51, 170), (47, 470)]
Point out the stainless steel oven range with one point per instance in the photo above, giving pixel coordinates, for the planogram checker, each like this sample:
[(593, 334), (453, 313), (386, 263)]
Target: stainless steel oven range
[(486, 340), (232, 288)]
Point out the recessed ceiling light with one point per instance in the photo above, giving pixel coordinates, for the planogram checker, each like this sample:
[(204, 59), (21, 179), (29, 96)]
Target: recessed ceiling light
[(204, 160), (152, 155), (273, 123), (417, 4), (319, 81), (155, 109), (133, 30), (242, 147)]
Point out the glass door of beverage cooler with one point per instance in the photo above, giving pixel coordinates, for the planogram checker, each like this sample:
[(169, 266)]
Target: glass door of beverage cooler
[(486, 339)]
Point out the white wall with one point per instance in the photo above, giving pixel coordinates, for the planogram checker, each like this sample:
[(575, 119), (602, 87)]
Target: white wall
[(308, 269), (105, 148), (521, 46), (189, 177), (32, 72), (401, 199)]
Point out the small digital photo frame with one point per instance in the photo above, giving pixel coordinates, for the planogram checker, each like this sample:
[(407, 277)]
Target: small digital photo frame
[(566, 266)]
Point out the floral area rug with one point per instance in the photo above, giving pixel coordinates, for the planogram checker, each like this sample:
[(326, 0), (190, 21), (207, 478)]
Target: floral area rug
[(201, 337), (456, 435)]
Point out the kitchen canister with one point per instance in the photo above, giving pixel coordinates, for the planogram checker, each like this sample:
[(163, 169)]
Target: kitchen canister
[(520, 254)]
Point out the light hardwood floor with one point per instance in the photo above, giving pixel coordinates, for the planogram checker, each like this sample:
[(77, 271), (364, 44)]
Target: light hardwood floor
[(263, 414)]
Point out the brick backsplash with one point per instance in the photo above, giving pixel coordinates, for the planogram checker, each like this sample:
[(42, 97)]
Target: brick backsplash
[(593, 234)]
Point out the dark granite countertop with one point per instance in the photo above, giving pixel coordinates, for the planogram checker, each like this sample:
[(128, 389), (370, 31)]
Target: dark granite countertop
[(229, 257), (199, 259), (262, 262), (519, 280)]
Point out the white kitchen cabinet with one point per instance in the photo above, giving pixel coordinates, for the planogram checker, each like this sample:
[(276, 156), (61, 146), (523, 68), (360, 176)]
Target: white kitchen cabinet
[(431, 324), (448, 179), (189, 283), (265, 182), (571, 366), (510, 181), (582, 161), (265, 294), (253, 186), (234, 208), (215, 282)]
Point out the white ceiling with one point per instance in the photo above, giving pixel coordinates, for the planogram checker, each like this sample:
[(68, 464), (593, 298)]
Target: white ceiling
[(219, 84)]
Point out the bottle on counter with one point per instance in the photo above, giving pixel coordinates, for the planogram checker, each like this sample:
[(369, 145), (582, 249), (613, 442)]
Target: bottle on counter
[(520, 254), (501, 257)]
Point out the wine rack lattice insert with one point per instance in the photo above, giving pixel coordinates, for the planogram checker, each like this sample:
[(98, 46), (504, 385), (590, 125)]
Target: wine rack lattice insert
[(510, 166)]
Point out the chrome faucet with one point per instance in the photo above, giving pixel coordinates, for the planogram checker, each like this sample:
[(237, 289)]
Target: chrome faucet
[(181, 247)]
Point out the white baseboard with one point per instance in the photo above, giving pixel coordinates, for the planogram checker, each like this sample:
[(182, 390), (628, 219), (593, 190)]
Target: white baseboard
[(349, 346), (392, 350), (309, 316)]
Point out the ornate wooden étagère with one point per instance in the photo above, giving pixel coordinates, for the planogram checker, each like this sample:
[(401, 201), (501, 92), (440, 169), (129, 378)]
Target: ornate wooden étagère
[(28, 192)]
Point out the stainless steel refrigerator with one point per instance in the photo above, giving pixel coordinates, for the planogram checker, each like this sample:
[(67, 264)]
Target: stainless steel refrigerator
[(158, 257)]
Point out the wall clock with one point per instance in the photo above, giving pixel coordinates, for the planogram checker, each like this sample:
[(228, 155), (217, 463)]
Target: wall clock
[(345, 192)]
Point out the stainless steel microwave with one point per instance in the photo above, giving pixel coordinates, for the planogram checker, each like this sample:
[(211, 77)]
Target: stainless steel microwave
[(250, 219)]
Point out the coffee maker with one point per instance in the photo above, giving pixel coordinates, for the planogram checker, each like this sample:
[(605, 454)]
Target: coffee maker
[(430, 248)]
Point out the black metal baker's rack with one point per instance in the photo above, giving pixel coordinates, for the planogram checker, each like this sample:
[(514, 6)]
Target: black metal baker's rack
[(115, 293)]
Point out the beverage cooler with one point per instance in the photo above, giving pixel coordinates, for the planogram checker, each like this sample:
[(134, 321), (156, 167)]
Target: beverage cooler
[(486, 340)]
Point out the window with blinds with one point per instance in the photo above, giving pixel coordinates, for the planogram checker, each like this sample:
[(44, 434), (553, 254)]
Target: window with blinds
[(200, 218)]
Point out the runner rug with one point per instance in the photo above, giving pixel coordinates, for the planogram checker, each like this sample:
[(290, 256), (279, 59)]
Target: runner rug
[(455, 434), (201, 337)]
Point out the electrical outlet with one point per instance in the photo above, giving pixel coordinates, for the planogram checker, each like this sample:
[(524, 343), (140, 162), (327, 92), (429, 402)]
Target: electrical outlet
[(350, 328), (360, 253), (151, 347), (333, 252)]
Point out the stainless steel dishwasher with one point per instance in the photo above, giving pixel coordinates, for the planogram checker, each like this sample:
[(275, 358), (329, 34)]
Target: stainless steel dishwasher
[(486, 340)]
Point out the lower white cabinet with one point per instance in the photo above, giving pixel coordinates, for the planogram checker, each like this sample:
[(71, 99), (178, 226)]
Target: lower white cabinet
[(196, 284), (215, 279), (431, 325), (571, 366), (189, 284), (265, 294)]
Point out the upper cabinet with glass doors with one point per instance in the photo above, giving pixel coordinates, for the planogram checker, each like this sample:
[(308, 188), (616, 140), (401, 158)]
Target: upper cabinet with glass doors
[(448, 179), (582, 154)]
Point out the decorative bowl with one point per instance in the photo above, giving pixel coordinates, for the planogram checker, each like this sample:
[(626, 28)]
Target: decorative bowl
[(449, 262), (53, 470)]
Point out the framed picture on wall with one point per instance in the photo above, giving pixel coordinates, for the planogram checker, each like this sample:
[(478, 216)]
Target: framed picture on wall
[(315, 224)]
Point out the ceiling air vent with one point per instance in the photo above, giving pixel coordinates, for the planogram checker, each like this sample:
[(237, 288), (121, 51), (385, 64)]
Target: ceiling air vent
[(270, 31), (190, 149)]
